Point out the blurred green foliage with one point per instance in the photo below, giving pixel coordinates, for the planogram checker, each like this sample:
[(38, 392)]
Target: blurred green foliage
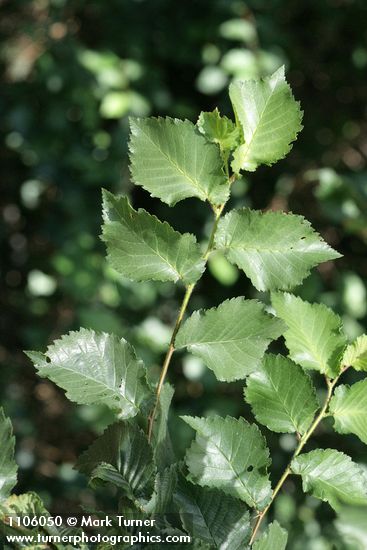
[(73, 71)]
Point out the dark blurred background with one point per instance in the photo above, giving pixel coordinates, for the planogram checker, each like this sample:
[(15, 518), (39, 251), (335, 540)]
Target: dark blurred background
[(72, 73)]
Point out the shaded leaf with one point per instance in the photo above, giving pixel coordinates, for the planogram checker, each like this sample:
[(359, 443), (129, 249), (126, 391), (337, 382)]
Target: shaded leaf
[(173, 161), (143, 248), (8, 466), (96, 368), (230, 455), (123, 456), (270, 119), (331, 476), (162, 445), (274, 538), (281, 395), (355, 354), (232, 338), (348, 407), (314, 337), (275, 250), (217, 519), (164, 487)]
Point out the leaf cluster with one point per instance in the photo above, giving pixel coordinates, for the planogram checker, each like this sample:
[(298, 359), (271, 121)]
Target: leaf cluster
[(223, 491)]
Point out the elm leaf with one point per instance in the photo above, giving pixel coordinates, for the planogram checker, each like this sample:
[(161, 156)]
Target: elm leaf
[(314, 337), (143, 248), (332, 477), (230, 454), (274, 538), (172, 160), (355, 354), (269, 117), (281, 395), (232, 338), (96, 368), (348, 407), (274, 249), (8, 466)]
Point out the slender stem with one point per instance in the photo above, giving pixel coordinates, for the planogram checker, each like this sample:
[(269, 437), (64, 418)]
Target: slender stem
[(301, 444), (171, 348)]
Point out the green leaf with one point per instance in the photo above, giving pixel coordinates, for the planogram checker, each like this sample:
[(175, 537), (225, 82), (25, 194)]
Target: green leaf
[(30, 504), (106, 473), (275, 250), (161, 441), (352, 527), (332, 477), (122, 455), (143, 248), (173, 161), (217, 519), (96, 368), (314, 337), (8, 466), (355, 354), (274, 538), (230, 455), (219, 129), (164, 487), (270, 119), (232, 338), (281, 395), (348, 407)]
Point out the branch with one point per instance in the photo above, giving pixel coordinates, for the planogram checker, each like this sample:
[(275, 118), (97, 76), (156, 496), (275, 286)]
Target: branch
[(189, 290), (322, 414)]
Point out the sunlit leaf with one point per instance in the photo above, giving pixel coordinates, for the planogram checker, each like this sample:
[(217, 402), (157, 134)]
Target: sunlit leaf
[(230, 454), (281, 395), (143, 248), (314, 337), (96, 368), (172, 160), (355, 354), (270, 119), (348, 407), (219, 129), (331, 476), (274, 538), (275, 250), (8, 467), (232, 338)]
